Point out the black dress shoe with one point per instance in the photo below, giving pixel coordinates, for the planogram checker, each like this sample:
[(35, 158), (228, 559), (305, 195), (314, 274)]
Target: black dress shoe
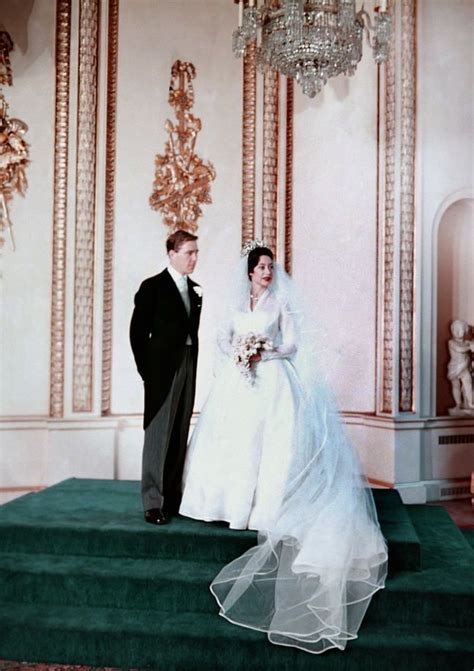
[(155, 516)]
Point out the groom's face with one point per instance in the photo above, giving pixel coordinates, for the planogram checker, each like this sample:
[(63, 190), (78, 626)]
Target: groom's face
[(184, 260)]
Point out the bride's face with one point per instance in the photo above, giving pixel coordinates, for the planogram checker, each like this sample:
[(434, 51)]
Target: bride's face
[(262, 274)]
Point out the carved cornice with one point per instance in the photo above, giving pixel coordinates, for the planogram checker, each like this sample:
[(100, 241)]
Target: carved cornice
[(110, 162), (58, 292), (249, 133), (85, 206)]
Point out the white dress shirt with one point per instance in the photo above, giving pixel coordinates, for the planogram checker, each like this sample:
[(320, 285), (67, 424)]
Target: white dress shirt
[(181, 282)]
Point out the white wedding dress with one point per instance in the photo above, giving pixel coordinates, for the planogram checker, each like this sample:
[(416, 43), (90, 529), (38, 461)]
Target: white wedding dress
[(238, 458), (274, 456)]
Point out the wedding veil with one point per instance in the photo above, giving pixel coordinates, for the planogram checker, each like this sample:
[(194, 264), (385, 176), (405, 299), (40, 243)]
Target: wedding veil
[(309, 580)]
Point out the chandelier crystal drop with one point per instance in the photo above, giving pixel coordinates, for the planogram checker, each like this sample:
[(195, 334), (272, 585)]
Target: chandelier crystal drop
[(311, 41)]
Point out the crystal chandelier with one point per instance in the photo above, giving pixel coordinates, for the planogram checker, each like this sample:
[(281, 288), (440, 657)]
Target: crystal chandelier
[(311, 41)]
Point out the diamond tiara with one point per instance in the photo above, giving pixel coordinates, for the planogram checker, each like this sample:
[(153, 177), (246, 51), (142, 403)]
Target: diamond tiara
[(250, 245)]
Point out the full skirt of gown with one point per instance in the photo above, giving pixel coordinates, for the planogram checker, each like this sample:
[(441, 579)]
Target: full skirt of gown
[(272, 455), (239, 454)]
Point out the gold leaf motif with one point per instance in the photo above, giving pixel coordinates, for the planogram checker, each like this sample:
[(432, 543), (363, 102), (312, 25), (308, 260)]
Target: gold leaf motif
[(182, 179), (13, 161)]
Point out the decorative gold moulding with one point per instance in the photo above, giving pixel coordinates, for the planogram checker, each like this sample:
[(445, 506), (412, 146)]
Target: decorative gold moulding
[(182, 179), (6, 45), (13, 162)]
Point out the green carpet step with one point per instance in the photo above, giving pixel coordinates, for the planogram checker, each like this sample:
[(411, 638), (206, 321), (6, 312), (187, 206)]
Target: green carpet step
[(403, 542), (104, 518), (444, 545), (469, 536), (430, 597), (142, 584), (190, 642), (444, 590)]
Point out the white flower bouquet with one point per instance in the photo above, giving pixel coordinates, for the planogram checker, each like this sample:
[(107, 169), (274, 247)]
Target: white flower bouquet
[(245, 347)]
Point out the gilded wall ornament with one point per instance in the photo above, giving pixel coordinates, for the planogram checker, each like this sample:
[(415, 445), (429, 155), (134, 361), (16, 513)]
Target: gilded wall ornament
[(13, 161), (6, 45), (182, 179)]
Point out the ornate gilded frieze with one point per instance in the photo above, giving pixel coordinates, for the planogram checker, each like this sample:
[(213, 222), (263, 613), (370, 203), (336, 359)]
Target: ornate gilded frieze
[(182, 179)]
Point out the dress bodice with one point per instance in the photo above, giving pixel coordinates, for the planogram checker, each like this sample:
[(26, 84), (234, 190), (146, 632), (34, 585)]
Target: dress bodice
[(264, 319), (270, 318)]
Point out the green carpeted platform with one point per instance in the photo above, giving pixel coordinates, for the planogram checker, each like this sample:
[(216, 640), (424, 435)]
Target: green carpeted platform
[(83, 580)]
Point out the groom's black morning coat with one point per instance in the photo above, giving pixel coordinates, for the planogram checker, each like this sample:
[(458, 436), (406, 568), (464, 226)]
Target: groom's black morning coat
[(158, 332)]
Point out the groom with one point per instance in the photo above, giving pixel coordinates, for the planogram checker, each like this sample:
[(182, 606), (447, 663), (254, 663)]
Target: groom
[(164, 339)]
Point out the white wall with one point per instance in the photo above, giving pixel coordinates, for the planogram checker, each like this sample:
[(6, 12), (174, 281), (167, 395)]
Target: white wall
[(335, 164), (25, 284)]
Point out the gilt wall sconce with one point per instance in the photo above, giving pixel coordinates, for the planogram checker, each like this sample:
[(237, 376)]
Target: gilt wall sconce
[(182, 179)]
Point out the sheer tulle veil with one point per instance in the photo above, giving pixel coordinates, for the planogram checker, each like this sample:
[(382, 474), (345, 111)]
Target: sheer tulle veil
[(309, 580)]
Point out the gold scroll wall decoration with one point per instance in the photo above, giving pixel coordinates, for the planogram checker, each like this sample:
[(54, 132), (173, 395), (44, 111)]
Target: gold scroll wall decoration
[(14, 156), (182, 179), (6, 45)]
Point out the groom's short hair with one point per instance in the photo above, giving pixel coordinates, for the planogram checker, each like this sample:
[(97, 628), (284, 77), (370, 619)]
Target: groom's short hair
[(177, 239)]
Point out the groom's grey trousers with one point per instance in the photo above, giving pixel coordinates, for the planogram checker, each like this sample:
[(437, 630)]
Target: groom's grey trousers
[(166, 439)]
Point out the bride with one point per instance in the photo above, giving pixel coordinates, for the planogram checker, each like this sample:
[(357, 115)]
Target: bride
[(269, 453)]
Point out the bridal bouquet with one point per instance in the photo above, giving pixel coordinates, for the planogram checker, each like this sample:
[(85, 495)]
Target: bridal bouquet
[(244, 349)]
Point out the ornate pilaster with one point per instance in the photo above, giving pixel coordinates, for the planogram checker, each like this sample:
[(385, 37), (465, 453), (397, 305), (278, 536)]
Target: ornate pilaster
[(398, 214), (85, 206), (58, 293), (388, 262), (407, 205), (271, 87), (109, 224), (289, 173), (249, 133)]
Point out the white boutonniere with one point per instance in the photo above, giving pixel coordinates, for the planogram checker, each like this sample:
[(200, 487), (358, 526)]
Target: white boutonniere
[(198, 290)]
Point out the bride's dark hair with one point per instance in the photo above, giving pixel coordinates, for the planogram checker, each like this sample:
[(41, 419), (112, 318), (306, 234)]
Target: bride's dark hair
[(254, 257)]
